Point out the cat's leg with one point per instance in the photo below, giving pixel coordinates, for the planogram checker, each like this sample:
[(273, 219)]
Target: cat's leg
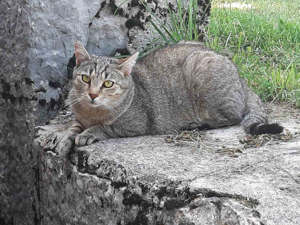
[(92, 134), (67, 142)]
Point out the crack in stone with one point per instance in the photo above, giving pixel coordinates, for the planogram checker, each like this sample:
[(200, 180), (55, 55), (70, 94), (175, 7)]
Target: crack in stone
[(169, 193), (211, 193)]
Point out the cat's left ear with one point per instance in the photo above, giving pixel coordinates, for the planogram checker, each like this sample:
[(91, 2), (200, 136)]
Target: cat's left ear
[(81, 53), (127, 64)]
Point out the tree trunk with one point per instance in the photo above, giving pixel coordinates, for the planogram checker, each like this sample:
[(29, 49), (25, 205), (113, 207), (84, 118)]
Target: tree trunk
[(18, 161)]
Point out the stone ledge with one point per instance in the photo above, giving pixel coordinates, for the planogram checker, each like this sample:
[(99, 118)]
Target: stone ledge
[(145, 180)]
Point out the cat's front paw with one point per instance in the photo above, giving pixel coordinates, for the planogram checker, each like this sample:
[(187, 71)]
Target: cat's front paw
[(84, 139), (65, 146)]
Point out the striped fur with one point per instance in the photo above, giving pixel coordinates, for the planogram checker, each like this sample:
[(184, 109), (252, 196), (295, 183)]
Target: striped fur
[(181, 86)]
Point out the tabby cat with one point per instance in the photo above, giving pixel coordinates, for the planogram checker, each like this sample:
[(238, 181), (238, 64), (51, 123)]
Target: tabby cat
[(181, 86)]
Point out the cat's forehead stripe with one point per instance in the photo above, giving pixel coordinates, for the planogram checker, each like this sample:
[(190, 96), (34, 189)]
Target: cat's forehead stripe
[(93, 68), (105, 75), (96, 67)]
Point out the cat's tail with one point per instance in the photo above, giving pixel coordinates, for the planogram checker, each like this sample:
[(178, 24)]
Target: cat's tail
[(255, 121), (255, 126)]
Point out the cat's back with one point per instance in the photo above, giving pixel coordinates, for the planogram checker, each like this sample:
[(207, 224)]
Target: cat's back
[(169, 55), (185, 62), (174, 60), (185, 83)]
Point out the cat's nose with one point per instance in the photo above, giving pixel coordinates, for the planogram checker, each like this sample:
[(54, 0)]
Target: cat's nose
[(93, 96)]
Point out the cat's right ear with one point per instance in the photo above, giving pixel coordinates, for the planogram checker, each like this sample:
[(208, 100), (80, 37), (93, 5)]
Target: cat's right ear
[(127, 64), (81, 53)]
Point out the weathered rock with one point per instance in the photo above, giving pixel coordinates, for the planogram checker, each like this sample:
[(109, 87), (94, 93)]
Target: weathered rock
[(55, 25), (18, 160), (168, 180), (107, 33), (141, 32)]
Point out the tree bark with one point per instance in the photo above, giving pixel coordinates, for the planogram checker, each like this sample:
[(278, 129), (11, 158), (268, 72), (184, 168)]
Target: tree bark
[(18, 161)]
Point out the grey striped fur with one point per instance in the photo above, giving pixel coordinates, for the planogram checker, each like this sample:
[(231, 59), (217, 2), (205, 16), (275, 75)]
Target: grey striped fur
[(181, 86)]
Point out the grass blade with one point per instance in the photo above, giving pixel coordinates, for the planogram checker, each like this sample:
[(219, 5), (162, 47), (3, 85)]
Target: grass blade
[(159, 31), (161, 24), (190, 23), (120, 6)]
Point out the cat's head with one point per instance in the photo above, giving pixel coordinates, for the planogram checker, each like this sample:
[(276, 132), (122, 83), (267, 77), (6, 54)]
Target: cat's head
[(100, 81)]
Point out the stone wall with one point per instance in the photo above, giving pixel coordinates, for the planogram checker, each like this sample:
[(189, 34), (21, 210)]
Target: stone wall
[(134, 181), (225, 177)]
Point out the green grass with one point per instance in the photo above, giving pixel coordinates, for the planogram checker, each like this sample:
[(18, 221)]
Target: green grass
[(264, 42), (183, 24)]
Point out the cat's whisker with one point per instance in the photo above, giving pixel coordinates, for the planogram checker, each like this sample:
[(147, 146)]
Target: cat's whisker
[(75, 101), (75, 97), (75, 94), (116, 104), (112, 111), (119, 101)]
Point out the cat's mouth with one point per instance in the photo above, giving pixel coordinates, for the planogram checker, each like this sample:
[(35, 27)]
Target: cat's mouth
[(93, 104), (97, 103)]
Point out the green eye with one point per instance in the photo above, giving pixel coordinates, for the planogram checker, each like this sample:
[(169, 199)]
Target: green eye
[(86, 79), (108, 84)]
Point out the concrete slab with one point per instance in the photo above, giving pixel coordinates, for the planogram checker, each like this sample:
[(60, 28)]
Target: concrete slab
[(216, 176)]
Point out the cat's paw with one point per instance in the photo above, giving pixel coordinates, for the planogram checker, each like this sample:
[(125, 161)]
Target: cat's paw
[(65, 146), (85, 139)]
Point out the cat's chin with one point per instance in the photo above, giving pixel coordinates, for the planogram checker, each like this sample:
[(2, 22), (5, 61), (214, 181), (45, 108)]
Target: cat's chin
[(94, 105)]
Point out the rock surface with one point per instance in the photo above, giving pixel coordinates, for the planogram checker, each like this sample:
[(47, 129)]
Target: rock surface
[(210, 177), (55, 25), (107, 33)]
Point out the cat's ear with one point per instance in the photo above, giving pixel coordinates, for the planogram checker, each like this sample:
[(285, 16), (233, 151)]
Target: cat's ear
[(81, 53), (127, 64)]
